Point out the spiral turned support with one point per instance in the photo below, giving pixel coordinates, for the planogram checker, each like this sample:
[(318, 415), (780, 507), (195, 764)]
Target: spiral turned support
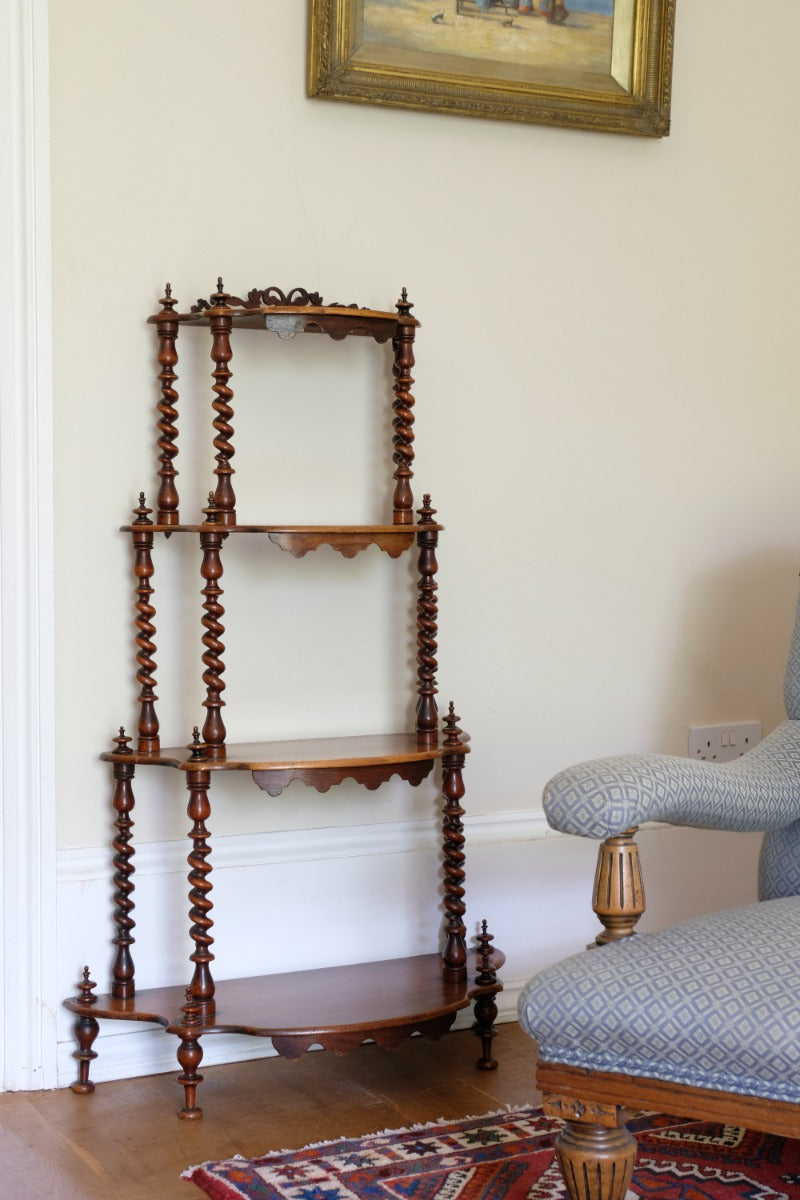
[(403, 405), (427, 622), (122, 970), (142, 535), (213, 611), (454, 954), (221, 323), (167, 325), (199, 810)]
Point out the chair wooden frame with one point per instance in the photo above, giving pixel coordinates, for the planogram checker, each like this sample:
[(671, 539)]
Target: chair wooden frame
[(595, 1150)]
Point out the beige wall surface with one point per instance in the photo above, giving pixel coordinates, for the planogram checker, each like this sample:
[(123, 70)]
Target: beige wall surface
[(606, 384)]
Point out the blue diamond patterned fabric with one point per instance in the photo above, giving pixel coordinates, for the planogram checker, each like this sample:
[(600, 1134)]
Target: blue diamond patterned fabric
[(711, 1002), (791, 681), (759, 791)]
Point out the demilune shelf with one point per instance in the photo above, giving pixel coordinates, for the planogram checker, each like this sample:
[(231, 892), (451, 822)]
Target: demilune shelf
[(348, 540), (321, 763), (337, 1008)]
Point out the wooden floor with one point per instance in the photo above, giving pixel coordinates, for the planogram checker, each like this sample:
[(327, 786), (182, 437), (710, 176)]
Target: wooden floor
[(125, 1142)]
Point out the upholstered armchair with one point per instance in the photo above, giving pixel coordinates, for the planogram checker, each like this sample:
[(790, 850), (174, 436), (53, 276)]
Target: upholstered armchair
[(699, 1020)]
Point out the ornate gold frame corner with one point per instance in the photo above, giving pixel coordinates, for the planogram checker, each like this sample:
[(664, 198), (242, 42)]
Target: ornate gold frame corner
[(343, 67)]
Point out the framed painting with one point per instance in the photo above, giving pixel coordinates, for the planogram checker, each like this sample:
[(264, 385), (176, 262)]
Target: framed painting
[(586, 64)]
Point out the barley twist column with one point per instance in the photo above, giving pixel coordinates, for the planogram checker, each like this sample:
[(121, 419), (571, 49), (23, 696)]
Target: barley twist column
[(213, 611), (427, 622), (122, 970), (167, 501), (403, 404), (454, 954), (221, 325), (148, 726), (199, 809)]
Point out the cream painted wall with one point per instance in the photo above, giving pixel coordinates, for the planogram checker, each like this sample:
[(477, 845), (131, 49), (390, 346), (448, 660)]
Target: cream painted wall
[(607, 402)]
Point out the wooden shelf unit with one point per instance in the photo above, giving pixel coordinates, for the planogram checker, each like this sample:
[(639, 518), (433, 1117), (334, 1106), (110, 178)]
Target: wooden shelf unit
[(336, 1007)]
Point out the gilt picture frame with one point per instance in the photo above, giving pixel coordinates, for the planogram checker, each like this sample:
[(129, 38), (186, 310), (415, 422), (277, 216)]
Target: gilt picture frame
[(602, 65)]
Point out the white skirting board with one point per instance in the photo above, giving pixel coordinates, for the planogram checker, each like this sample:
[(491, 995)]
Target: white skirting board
[(302, 899)]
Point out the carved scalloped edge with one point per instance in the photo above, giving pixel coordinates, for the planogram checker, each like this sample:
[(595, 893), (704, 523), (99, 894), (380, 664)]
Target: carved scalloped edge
[(348, 545), (370, 775), (390, 1037)]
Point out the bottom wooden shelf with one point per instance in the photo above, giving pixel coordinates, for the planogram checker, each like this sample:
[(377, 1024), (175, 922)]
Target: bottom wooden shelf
[(337, 1008)]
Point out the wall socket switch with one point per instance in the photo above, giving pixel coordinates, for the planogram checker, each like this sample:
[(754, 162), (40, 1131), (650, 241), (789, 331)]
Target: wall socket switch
[(723, 743)]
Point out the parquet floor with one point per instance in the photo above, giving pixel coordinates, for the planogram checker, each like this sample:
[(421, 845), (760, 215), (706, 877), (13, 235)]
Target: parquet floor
[(125, 1142)]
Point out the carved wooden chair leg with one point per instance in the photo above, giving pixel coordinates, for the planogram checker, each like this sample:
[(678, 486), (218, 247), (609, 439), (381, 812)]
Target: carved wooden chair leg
[(596, 1159)]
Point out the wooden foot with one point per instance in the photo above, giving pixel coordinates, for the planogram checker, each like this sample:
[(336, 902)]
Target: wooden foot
[(485, 1013), (190, 1055), (596, 1160), (485, 1006), (86, 1030)]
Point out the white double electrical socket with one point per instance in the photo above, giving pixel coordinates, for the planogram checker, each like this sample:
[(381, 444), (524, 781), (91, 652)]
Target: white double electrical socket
[(722, 743)]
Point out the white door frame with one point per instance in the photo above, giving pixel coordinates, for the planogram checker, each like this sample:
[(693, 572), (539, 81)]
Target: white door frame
[(27, 749)]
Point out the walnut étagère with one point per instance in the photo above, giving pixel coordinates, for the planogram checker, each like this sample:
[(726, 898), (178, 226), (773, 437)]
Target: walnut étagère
[(337, 1007)]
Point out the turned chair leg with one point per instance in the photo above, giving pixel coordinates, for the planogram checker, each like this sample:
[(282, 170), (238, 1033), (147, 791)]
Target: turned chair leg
[(595, 1151)]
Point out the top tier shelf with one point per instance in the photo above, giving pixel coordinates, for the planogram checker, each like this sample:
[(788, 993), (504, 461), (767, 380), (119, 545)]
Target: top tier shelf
[(348, 540), (287, 314)]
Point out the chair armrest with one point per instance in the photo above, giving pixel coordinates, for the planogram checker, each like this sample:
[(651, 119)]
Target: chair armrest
[(758, 792)]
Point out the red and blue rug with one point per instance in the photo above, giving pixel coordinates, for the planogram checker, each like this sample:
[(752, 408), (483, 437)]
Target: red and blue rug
[(509, 1156)]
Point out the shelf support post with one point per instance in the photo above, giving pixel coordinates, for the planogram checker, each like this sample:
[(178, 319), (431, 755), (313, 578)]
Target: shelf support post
[(427, 622), (142, 535), (403, 404), (122, 971), (167, 325), (214, 731), (454, 954), (221, 323), (199, 809)]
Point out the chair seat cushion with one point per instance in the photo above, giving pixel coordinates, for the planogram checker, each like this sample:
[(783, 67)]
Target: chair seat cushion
[(713, 1002)]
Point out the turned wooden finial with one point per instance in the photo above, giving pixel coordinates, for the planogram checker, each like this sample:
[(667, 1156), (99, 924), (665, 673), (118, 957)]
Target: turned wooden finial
[(142, 512), (211, 511), (486, 972), (452, 732), (220, 295), (192, 1011), (404, 305), (167, 302), (427, 512), (86, 988), (196, 746), (122, 743)]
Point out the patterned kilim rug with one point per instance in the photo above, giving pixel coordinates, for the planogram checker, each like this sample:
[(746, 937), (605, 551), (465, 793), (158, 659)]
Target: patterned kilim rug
[(509, 1156)]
